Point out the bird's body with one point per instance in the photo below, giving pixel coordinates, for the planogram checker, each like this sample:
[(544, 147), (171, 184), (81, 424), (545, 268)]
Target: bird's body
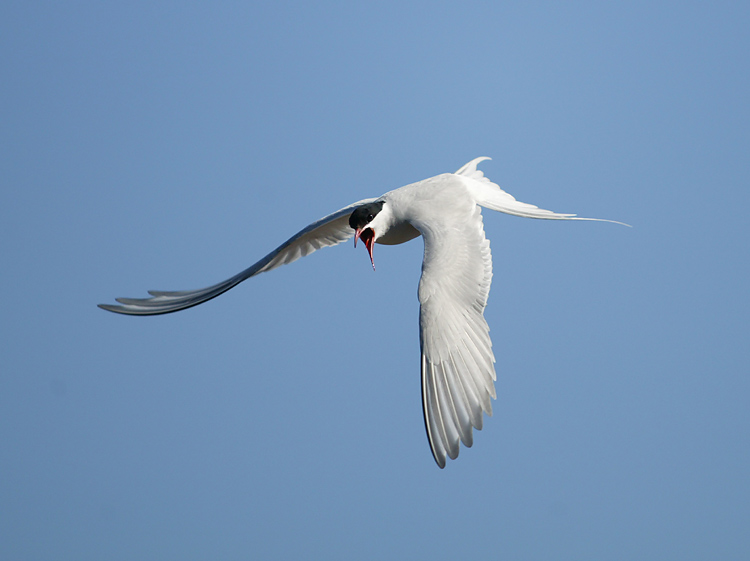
[(458, 371)]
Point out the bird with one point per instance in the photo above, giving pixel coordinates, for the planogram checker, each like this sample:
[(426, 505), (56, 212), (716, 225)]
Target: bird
[(457, 362)]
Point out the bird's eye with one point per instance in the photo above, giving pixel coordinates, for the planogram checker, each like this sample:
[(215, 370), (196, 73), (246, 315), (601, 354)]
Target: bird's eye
[(370, 217)]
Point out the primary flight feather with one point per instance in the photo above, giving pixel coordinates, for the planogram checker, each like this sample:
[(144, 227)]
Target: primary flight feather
[(458, 371)]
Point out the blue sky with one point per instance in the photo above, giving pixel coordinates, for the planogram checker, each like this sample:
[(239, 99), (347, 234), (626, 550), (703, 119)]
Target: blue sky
[(169, 146)]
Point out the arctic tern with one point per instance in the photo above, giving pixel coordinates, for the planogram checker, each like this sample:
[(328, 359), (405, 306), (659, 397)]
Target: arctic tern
[(458, 371)]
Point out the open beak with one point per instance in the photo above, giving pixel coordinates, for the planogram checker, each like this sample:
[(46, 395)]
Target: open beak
[(368, 238)]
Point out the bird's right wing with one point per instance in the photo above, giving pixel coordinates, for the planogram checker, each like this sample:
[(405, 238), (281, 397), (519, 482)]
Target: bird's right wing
[(330, 230), (458, 370)]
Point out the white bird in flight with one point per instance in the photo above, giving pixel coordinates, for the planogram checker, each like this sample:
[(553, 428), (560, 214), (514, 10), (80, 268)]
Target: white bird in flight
[(458, 371)]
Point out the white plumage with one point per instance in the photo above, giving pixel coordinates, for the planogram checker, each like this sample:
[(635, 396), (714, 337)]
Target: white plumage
[(458, 372)]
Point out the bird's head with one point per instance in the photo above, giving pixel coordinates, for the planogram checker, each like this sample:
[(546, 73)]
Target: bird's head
[(369, 223)]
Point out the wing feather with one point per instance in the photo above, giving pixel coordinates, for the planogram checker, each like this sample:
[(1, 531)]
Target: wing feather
[(432, 422), (329, 230), (460, 403), (472, 396), (473, 374), (446, 414), (457, 362)]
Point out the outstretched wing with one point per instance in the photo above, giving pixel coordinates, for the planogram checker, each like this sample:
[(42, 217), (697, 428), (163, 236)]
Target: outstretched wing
[(330, 230), (458, 370), (490, 195)]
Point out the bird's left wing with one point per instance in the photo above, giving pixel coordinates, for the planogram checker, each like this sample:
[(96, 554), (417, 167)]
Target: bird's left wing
[(329, 230)]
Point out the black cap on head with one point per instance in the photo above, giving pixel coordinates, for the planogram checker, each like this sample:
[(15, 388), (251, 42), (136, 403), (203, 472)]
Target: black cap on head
[(364, 214)]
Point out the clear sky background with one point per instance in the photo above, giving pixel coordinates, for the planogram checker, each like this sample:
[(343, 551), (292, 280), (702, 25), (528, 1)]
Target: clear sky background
[(170, 145)]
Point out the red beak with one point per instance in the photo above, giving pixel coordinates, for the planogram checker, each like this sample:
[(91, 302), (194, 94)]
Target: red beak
[(368, 237)]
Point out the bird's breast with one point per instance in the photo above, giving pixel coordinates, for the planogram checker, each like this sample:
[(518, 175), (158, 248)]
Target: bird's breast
[(400, 233)]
